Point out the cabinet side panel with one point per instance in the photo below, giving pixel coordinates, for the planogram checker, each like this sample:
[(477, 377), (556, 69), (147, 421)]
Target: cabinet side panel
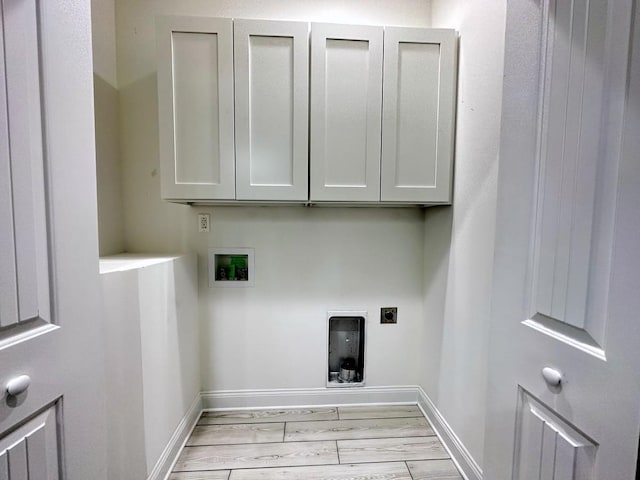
[(196, 106)]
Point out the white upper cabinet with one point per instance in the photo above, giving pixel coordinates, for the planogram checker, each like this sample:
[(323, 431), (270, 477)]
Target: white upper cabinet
[(346, 106), (250, 111), (195, 106), (418, 115), (271, 62)]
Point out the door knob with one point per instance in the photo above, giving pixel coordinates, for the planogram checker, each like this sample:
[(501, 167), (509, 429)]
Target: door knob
[(552, 376), (18, 385)]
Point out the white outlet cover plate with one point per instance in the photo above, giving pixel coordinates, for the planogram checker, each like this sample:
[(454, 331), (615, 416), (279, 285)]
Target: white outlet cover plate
[(204, 218)]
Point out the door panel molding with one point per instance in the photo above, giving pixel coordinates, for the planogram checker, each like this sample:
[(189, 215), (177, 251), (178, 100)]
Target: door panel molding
[(31, 450), (25, 244), (549, 447), (579, 123)]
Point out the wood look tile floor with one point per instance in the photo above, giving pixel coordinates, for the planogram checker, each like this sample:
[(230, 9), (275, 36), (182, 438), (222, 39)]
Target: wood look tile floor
[(344, 443)]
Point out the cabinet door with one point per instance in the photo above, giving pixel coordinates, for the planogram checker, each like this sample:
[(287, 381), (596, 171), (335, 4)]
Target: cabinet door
[(271, 62), (346, 101), (195, 107), (418, 115)]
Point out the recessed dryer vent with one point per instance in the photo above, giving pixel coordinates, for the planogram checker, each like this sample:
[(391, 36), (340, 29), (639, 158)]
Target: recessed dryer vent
[(346, 349)]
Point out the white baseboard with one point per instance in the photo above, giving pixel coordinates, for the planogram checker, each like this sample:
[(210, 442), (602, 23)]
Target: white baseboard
[(460, 455), (170, 453), (307, 397)]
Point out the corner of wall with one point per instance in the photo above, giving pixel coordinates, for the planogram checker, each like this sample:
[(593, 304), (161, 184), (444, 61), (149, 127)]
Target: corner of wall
[(108, 163), (459, 241)]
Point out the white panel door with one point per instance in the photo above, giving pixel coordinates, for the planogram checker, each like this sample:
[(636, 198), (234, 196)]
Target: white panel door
[(567, 268), (49, 326), (31, 451), (195, 108), (346, 109), (271, 63), (418, 113)]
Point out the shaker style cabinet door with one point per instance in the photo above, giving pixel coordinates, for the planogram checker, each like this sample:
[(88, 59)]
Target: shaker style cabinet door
[(346, 104), (271, 62), (195, 106), (418, 115)]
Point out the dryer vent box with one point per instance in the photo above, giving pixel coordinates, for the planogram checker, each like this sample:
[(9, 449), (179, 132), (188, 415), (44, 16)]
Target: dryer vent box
[(346, 349)]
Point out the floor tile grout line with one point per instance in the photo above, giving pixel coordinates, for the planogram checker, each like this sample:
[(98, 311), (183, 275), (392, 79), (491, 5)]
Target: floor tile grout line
[(316, 465), (245, 423), (307, 421), (289, 442), (353, 439), (310, 465), (376, 418), (364, 418), (318, 410), (274, 421), (405, 464), (209, 414), (338, 453)]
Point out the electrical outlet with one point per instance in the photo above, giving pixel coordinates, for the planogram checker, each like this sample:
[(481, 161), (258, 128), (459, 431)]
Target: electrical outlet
[(389, 315), (204, 219)]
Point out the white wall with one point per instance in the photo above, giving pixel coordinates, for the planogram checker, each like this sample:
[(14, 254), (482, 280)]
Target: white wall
[(307, 260), (152, 358), (459, 241), (108, 169)]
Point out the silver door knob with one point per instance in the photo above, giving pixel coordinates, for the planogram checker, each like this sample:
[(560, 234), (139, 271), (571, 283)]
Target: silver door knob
[(552, 376), (18, 385)]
